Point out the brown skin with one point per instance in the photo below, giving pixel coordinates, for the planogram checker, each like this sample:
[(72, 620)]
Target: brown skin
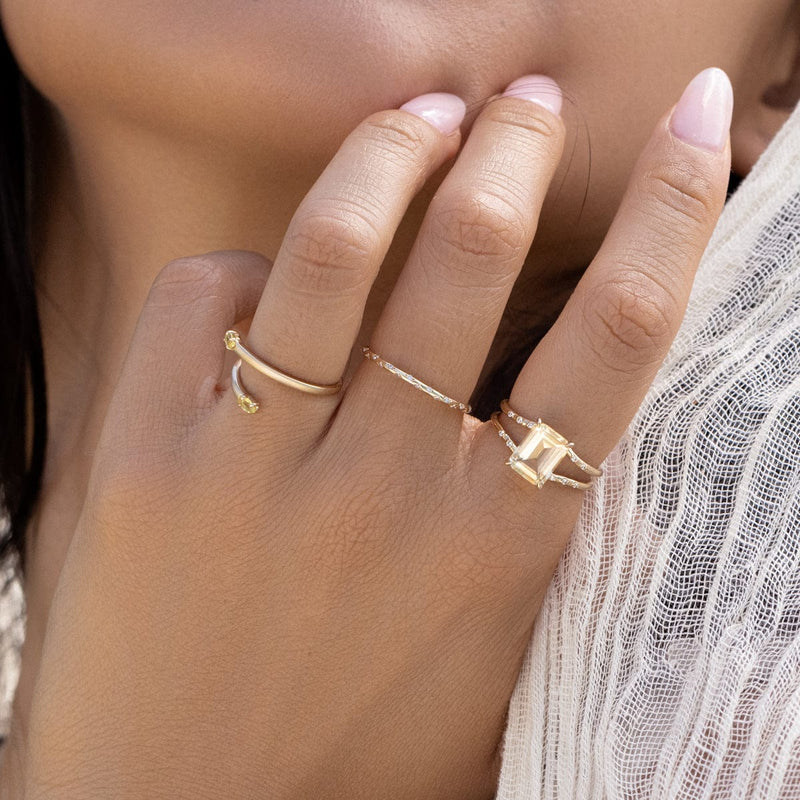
[(163, 145)]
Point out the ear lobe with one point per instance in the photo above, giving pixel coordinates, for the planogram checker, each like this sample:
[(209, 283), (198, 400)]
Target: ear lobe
[(760, 117), (753, 130)]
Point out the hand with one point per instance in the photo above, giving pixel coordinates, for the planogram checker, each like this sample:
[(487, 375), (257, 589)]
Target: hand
[(332, 598)]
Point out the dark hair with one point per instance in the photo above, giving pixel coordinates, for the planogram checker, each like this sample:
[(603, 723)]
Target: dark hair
[(23, 413)]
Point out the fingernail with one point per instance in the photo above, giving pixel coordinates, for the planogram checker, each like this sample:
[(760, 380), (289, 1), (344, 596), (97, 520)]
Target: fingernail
[(538, 89), (443, 111), (702, 116)]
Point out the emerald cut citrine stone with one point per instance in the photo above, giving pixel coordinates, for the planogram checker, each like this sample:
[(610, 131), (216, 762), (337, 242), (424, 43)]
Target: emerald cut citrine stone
[(539, 453)]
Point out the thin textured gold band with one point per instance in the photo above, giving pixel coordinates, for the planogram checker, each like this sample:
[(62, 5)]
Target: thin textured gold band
[(548, 448), (415, 382), (233, 341)]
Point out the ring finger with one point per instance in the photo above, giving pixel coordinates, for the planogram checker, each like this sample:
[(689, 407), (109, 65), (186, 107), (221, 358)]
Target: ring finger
[(444, 311), (590, 373)]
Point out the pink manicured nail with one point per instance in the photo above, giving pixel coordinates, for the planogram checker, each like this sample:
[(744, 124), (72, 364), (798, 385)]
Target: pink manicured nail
[(702, 116), (538, 89), (443, 111)]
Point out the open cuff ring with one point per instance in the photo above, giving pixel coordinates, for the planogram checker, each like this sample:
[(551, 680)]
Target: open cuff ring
[(233, 341)]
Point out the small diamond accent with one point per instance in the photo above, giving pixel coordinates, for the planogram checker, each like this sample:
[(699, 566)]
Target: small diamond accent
[(415, 382)]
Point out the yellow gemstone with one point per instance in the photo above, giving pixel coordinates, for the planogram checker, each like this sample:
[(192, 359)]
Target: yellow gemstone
[(538, 454), (231, 339), (247, 404)]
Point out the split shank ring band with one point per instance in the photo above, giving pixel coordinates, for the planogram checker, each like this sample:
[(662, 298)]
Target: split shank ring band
[(536, 457), (233, 341)]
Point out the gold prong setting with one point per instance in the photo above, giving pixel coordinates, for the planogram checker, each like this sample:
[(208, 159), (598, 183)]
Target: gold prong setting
[(536, 457)]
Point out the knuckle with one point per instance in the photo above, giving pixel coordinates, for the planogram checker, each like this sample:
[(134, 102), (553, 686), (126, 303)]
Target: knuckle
[(630, 324), (404, 135), (529, 119), (682, 194), (332, 249), (481, 224), (189, 280)]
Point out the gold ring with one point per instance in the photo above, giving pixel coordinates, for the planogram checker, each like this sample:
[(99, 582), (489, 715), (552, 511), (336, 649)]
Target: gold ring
[(540, 452), (234, 342), (415, 382), (529, 423)]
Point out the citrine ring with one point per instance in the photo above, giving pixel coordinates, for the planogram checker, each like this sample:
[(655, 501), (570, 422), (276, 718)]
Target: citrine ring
[(536, 457)]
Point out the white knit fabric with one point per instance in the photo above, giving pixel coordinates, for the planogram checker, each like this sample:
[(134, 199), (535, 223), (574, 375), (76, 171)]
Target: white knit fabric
[(12, 635), (666, 660)]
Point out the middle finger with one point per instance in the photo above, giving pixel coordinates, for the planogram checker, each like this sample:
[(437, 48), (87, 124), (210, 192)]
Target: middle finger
[(442, 316)]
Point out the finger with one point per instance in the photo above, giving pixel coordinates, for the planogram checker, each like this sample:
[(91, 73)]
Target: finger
[(311, 310), (444, 311), (590, 373), (177, 354)]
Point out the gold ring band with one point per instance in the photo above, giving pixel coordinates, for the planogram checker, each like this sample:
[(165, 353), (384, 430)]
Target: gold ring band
[(233, 341), (540, 452), (415, 382)]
